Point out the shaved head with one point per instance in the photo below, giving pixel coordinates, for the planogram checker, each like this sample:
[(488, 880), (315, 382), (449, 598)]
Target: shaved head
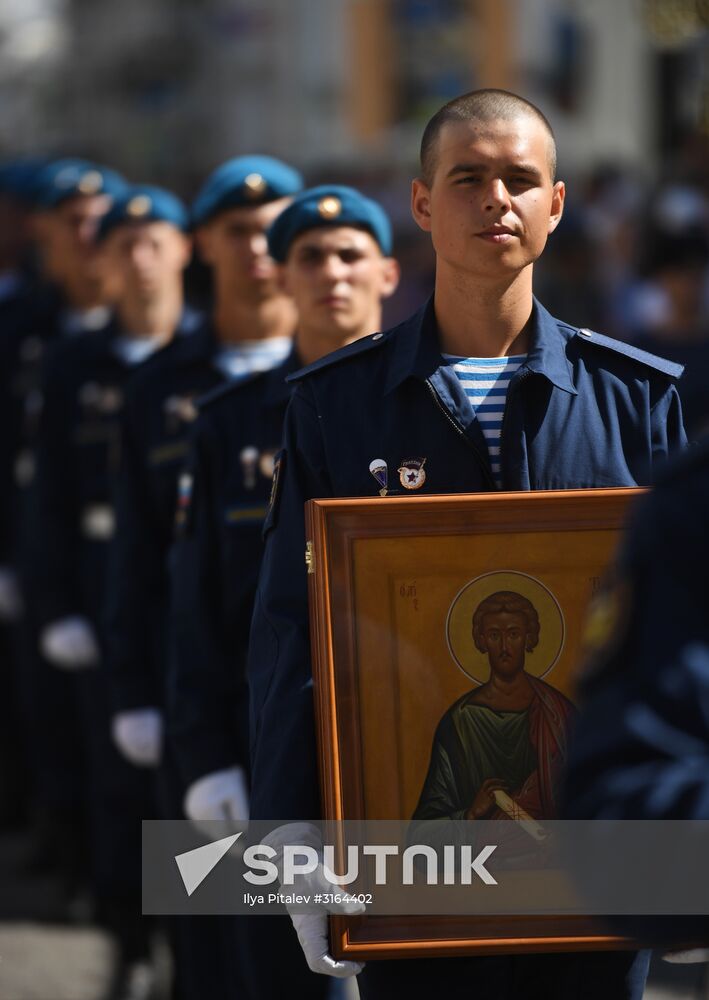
[(483, 107)]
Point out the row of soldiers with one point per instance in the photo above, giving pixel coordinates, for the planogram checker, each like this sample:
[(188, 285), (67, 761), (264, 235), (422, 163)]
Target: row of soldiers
[(103, 366), (161, 464)]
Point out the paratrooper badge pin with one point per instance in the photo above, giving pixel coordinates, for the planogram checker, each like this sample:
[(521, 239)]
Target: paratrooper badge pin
[(179, 410), (267, 463), (249, 465), (100, 399), (184, 499), (380, 471)]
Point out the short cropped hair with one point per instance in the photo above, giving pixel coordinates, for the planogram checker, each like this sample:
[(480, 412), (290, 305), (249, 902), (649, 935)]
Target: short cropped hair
[(480, 106), (513, 604)]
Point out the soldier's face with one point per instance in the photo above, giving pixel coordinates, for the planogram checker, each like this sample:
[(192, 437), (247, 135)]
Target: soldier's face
[(13, 231), (66, 234), (234, 245), (147, 257), (338, 277), (491, 203), (504, 636)]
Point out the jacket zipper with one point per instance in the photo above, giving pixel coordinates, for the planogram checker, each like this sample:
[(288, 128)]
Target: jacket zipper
[(459, 430)]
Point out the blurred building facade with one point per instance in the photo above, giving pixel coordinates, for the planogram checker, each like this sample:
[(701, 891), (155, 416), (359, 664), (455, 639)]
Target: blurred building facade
[(168, 88)]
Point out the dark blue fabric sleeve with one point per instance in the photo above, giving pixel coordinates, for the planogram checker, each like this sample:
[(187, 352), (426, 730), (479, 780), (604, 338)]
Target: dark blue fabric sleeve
[(283, 748)]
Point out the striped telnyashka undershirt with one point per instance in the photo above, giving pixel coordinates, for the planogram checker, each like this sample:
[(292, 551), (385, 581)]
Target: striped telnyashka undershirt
[(238, 361), (485, 382)]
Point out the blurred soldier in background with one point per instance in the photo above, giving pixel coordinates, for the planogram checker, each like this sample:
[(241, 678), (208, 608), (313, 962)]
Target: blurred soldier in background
[(142, 242), (71, 294), (249, 331), (641, 744), (15, 182), (677, 266), (334, 247)]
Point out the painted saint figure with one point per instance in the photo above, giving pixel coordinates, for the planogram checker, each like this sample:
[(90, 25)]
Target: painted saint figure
[(509, 734)]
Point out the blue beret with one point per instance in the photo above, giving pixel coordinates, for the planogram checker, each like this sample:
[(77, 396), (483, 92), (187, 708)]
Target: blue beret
[(328, 205), (62, 179), (144, 203), (18, 178), (246, 180)]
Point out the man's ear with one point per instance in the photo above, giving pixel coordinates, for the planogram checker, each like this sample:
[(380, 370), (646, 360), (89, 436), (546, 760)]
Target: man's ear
[(282, 279), (187, 246), (391, 273), (203, 243), (421, 204), (557, 206)]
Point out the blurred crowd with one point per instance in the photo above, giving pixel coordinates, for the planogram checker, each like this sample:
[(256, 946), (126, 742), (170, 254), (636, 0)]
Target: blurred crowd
[(631, 259)]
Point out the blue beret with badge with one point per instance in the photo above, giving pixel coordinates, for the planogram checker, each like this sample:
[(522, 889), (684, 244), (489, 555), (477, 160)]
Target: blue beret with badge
[(144, 203), (329, 205), (70, 178), (244, 181)]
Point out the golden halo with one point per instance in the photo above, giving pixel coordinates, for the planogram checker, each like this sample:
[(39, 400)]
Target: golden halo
[(459, 623)]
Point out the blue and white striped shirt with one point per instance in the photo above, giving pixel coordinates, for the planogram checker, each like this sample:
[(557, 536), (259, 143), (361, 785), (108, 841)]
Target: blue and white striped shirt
[(485, 381)]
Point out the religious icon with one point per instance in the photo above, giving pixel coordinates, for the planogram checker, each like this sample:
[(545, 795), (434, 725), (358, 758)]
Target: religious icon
[(498, 751), (447, 634)]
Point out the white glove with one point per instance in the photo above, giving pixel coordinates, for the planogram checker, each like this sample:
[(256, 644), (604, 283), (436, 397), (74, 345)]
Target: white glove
[(138, 735), (312, 931), (70, 643), (312, 928), (10, 596), (692, 955), (219, 795)]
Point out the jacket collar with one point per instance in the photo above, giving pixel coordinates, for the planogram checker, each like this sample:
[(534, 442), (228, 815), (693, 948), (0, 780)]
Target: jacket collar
[(417, 352), (194, 340), (277, 390)]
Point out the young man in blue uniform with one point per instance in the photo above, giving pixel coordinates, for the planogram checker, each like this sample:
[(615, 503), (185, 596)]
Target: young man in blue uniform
[(570, 408), (71, 294), (334, 246), (250, 330), (142, 240), (15, 179)]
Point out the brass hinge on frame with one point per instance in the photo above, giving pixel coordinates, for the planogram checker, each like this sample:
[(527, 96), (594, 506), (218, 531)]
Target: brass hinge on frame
[(309, 558)]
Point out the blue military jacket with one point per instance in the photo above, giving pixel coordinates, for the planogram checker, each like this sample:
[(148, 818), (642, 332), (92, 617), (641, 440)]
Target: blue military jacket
[(582, 411), (217, 559), (641, 743), (641, 748), (78, 456), (159, 413), (30, 326)]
